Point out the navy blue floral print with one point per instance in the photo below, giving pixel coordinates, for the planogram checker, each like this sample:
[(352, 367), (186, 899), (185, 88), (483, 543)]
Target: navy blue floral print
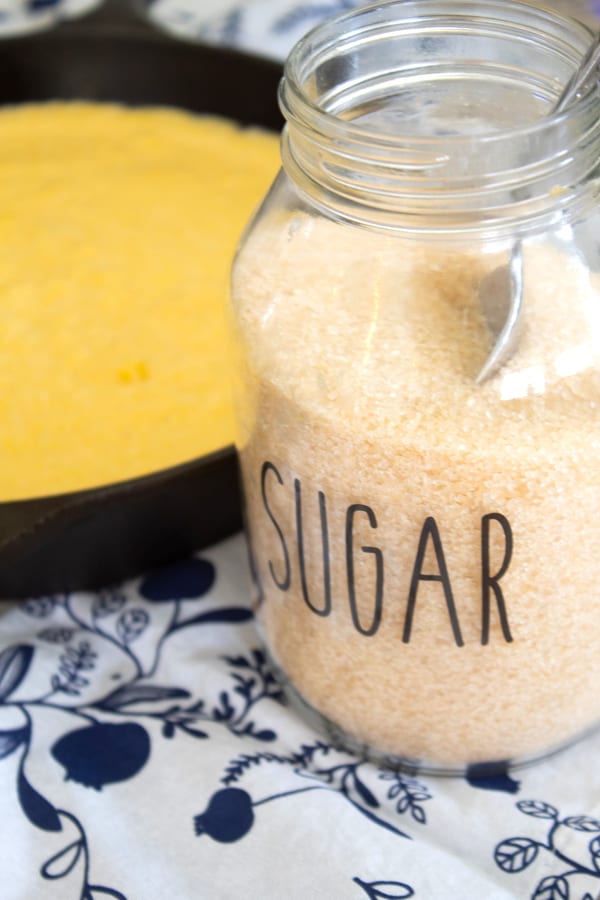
[(163, 679), (326, 768), (111, 743), (228, 816), (492, 778), (103, 753), (385, 890), (575, 861)]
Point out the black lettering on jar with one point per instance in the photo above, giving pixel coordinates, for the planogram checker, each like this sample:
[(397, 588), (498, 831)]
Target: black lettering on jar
[(378, 598), (326, 608), (489, 582), (282, 583), (430, 530)]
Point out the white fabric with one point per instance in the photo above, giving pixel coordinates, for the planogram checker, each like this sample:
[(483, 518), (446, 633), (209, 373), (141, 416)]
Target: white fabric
[(145, 752), (124, 714)]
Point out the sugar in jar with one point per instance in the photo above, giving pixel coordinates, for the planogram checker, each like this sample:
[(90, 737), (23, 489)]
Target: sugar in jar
[(425, 533)]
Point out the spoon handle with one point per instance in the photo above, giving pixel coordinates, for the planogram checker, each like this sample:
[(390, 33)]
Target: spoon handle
[(510, 291), (587, 66)]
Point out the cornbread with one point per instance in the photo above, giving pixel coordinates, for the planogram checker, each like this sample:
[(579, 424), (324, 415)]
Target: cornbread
[(426, 546), (117, 229)]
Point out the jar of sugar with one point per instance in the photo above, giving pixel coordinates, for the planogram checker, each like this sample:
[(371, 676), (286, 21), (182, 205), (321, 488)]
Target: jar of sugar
[(426, 541)]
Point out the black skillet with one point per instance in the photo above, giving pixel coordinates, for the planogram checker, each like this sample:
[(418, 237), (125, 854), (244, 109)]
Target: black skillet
[(91, 538)]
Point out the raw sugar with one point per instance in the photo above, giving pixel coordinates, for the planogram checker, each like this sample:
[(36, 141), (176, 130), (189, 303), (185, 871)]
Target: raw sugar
[(426, 547)]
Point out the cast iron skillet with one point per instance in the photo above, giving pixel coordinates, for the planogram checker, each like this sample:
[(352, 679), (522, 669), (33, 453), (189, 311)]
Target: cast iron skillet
[(90, 538)]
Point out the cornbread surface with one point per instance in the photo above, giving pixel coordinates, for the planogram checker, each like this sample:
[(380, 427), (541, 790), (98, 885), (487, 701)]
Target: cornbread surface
[(117, 230)]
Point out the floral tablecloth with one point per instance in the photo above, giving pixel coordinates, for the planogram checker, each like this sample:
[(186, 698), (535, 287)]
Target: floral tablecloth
[(146, 751)]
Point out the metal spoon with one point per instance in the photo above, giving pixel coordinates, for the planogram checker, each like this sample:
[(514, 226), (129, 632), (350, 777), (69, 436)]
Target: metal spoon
[(501, 292)]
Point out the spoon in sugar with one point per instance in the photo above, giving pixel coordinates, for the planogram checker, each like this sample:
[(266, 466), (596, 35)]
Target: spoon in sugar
[(501, 291)]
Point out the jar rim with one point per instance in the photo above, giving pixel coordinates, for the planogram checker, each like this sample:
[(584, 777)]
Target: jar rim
[(291, 91), (339, 160)]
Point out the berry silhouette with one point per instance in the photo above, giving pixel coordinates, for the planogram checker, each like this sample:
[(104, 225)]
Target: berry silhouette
[(228, 816), (491, 778), (180, 581), (103, 753)]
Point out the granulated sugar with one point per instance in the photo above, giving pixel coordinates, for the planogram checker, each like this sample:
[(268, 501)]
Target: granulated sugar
[(364, 437)]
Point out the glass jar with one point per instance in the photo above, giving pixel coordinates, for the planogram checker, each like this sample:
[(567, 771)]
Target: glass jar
[(426, 539)]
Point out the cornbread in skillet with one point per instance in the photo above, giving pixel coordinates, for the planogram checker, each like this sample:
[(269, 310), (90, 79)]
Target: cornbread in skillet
[(117, 230)]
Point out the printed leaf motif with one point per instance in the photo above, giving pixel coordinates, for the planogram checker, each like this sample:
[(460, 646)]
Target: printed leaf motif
[(63, 862), (140, 693), (582, 823), (366, 795), (236, 769), (385, 890), (408, 794), (10, 740), (232, 614), (168, 730), (193, 732), (420, 796), (73, 662), (38, 607), (107, 603), (244, 686), (555, 887), (37, 809), (403, 804), (418, 814), (56, 635), (265, 734), (537, 809), (132, 623), (14, 663), (516, 854), (238, 662), (225, 713), (595, 852)]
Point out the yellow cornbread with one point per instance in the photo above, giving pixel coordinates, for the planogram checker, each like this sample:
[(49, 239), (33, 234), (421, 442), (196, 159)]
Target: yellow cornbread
[(117, 229)]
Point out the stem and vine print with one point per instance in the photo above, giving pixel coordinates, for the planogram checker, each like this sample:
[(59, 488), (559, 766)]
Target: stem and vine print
[(566, 845), (93, 662), (145, 744), (89, 670)]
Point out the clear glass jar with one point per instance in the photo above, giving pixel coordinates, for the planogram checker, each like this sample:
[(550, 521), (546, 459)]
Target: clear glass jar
[(427, 542)]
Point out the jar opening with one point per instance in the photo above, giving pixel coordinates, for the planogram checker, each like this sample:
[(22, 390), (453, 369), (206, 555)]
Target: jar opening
[(435, 114)]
